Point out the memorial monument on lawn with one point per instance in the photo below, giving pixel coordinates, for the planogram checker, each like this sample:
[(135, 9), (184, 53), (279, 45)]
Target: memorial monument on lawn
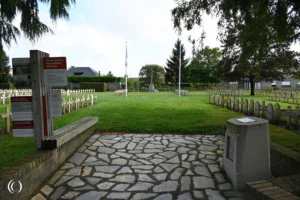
[(151, 85)]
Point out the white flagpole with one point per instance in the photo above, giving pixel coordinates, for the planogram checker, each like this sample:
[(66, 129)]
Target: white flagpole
[(179, 70), (126, 70)]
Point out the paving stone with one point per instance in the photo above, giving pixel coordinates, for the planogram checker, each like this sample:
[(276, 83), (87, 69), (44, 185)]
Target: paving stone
[(119, 161), (98, 144), (177, 173), (91, 159), (185, 196), (181, 141), (125, 155), (168, 167), (38, 197), (46, 190), (201, 182), (86, 187), (186, 165), (165, 142), (86, 171), (63, 180), (125, 170), (158, 169), (144, 155), (208, 147), (120, 187), (92, 153), (144, 161), (202, 170), (93, 180), (77, 158), (141, 186), (158, 156), (214, 168), (166, 186), (56, 176), (174, 160), (133, 162), (214, 195), (93, 148), (126, 178), (197, 163), (225, 186), (154, 146), (103, 175), (168, 154), (105, 185), (106, 150), (192, 157), (94, 163), (183, 150), (139, 196), (82, 149), (160, 177), (156, 161), (70, 195), (220, 178), (146, 167), (114, 156), (189, 173), (104, 157), (208, 161), (193, 152), (57, 193), (107, 169), (92, 195), (120, 145), (183, 157), (210, 157), (145, 178), (199, 194), (152, 151), (119, 195), (201, 156), (76, 182), (142, 171), (185, 183), (67, 166), (192, 146), (164, 197)]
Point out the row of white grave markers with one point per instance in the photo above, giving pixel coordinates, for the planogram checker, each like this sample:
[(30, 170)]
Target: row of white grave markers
[(70, 92), (236, 93), (78, 102), (270, 112)]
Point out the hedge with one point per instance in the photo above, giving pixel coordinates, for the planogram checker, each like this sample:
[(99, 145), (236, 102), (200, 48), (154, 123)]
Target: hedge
[(6, 86), (99, 87), (102, 79)]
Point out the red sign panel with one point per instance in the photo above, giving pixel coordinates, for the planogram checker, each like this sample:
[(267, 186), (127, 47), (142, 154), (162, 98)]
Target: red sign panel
[(22, 124), (55, 63), (21, 99)]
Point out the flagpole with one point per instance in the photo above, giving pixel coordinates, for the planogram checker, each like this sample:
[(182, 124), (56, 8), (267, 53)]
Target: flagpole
[(126, 71), (179, 70)]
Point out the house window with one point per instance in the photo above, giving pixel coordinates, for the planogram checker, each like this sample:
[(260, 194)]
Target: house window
[(258, 86), (274, 84), (78, 73), (286, 83)]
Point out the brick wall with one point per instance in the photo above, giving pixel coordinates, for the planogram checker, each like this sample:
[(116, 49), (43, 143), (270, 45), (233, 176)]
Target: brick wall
[(35, 168)]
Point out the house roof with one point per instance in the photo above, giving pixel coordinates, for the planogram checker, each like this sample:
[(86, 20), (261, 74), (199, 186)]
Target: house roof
[(86, 71)]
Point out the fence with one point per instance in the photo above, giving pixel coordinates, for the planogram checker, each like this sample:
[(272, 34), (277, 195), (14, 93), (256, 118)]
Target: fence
[(271, 112)]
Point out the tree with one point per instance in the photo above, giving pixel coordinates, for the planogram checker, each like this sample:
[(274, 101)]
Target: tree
[(252, 32), (172, 68), (203, 67), (157, 71), (72, 67), (30, 25), (109, 74), (5, 77)]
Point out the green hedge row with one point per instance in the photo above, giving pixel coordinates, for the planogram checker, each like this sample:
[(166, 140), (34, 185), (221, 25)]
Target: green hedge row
[(102, 79), (6, 86), (99, 87)]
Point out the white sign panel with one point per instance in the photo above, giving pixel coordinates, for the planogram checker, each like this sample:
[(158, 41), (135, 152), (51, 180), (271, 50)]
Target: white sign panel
[(56, 77), (56, 101)]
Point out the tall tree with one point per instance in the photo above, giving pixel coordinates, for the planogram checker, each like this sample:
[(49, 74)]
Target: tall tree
[(30, 24), (172, 68), (157, 72), (203, 67), (109, 74), (252, 32), (4, 68)]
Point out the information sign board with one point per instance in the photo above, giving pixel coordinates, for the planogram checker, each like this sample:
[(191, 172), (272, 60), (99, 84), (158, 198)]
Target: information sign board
[(55, 71), (56, 101)]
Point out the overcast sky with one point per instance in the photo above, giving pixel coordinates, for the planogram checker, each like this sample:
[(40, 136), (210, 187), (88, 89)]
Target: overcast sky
[(96, 33)]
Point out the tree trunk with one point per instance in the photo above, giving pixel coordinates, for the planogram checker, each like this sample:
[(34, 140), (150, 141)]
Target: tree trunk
[(252, 85)]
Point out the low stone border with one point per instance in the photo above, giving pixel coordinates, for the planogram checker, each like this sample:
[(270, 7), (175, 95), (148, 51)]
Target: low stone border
[(120, 92), (183, 92), (35, 168)]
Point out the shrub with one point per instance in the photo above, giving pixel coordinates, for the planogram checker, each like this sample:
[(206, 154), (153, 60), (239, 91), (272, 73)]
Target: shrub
[(6, 86), (99, 87), (102, 79)]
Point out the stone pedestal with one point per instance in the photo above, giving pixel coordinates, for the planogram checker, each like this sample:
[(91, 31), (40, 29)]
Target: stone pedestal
[(247, 151), (151, 87)]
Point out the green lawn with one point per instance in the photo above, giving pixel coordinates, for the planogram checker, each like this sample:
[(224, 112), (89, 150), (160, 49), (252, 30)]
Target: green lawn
[(141, 112)]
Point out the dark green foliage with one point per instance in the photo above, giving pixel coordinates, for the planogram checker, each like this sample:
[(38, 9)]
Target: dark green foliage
[(30, 25), (4, 68), (106, 79), (158, 74), (6, 86), (99, 87), (203, 67), (172, 68)]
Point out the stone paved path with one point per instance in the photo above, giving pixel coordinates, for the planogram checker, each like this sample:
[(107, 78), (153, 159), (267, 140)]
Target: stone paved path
[(140, 166)]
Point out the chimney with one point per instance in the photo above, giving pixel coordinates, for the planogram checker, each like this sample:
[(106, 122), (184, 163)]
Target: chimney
[(99, 73)]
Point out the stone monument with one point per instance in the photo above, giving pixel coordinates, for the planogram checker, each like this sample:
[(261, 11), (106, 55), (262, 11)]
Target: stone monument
[(151, 86)]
